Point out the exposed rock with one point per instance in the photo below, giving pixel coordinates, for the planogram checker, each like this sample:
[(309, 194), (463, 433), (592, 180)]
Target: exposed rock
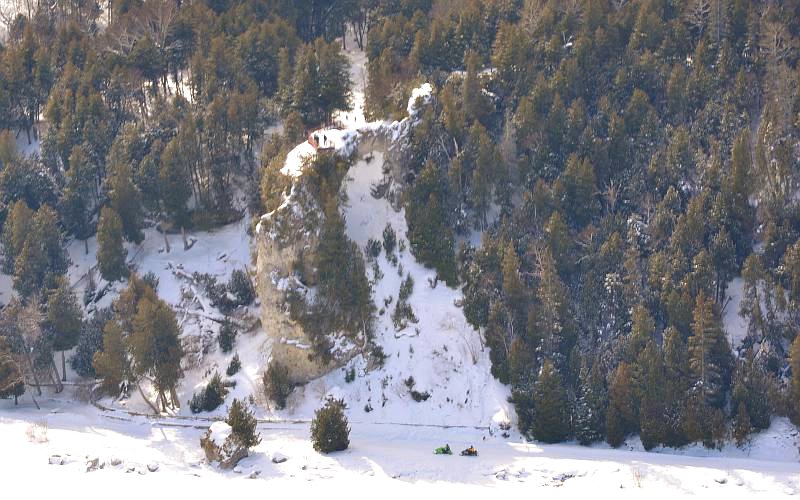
[(92, 464), (56, 460), (278, 458), (152, 467)]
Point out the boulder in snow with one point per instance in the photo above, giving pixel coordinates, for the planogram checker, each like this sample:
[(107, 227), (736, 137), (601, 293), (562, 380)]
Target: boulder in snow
[(152, 466), (56, 460), (278, 458)]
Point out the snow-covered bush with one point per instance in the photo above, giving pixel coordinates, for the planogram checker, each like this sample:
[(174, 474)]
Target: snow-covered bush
[(329, 429)]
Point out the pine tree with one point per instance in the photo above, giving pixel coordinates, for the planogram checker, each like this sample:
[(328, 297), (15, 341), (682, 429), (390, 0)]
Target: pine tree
[(642, 331), (90, 342), (621, 415), (42, 257), (126, 201), (676, 365), (429, 232), (551, 414), (329, 429), (15, 230), (156, 348), (63, 320), (174, 180), (709, 354), (650, 379), (111, 253), (243, 425), (590, 406), (277, 384), (112, 364)]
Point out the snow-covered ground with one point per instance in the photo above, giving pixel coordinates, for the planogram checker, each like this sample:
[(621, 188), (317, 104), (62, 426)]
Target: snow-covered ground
[(395, 460)]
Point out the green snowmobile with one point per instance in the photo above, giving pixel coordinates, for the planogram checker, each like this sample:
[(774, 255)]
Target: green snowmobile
[(470, 452), (443, 450)]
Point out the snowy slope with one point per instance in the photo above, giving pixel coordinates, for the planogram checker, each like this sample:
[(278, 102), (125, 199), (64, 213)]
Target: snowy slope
[(442, 352)]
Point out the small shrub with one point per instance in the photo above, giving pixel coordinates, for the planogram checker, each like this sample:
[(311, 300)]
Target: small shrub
[(389, 239), (406, 288), (419, 396), (373, 249), (234, 366), (350, 375), (210, 397), (410, 382), (227, 336), (329, 429), (277, 386), (242, 288)]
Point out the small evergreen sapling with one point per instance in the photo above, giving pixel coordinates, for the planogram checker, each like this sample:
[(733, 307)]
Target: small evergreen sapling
[(210, 397), (243, 425), (227, 336), (234, 366), (242, 288), (329, 429)]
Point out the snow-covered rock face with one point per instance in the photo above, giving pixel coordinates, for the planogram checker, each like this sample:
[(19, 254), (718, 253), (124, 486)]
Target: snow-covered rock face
[(292, 231), (445, 356)]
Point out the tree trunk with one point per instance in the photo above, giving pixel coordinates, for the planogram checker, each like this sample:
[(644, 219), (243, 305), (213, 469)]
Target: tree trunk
[(185, 242), (166, 240), (56, 378), (63, 367), (86, 246), (146, 399), (33, 371)]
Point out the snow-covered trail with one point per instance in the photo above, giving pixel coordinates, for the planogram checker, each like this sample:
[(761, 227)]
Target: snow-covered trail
[(392, 458)]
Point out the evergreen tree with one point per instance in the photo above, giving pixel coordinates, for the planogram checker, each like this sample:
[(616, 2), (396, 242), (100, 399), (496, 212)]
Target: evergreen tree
[(651, 395), (174, 181), (243, 425), (15, 230), (590, 406), (709, 354), (125, 200), (42, 257), (111, 253), (111, 363), (156, 348), (90, 342), (429, 232), (63, 320), (329, 429), (621, 415), (551, 422), (277, 385), (676, 387)]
